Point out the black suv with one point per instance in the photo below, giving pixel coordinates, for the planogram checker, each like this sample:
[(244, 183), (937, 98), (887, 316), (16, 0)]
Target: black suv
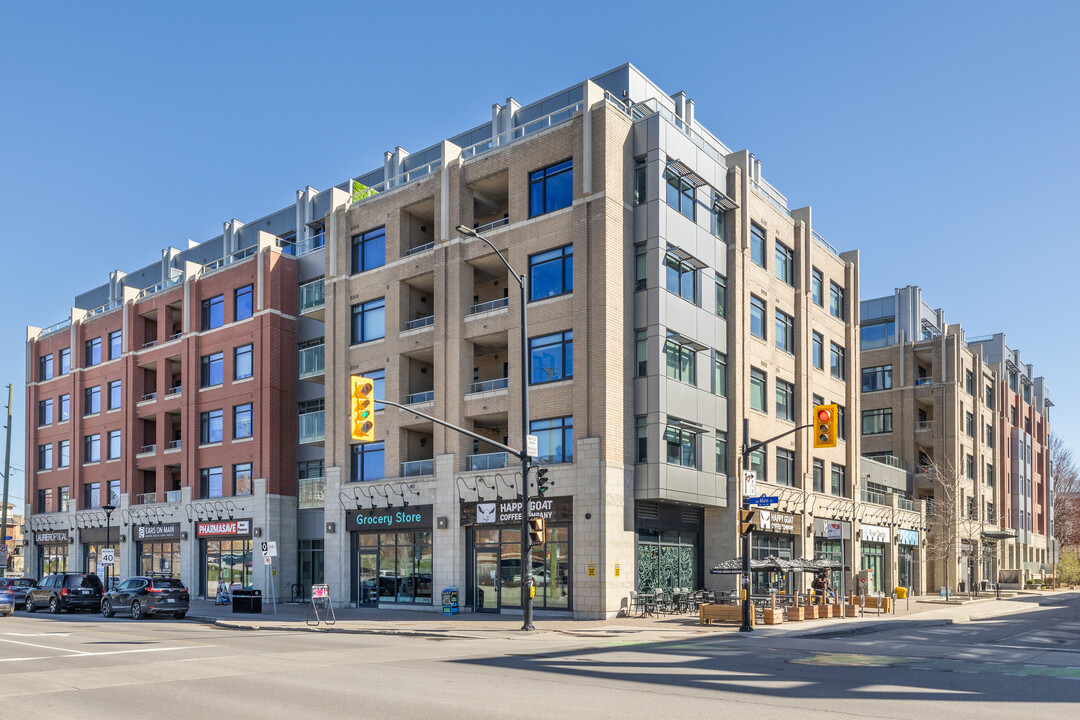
[(145, 595), (66, 591)]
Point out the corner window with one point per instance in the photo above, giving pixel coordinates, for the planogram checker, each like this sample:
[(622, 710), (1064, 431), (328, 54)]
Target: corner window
[(551, 188), (681, 278), (785, 264), (368, 250), (241, 425), (757, 245), (116, 344), (551, 357), (836, 300), (242, 362), (785, 400), (719, 222), (841, 423), (758, 380), (877, 422), (757, 317), (556, 439), (817, 290), (368, 321), (817, 344), (210, 483), (681, 446), (877, 378), (785, 332), (242, 303), (680, 193), (680, 361), (641, 439), (45, 367), (211, 370), (969, 382), (877, 334), (551, 273), (213, 312), (92, 352), (368, 461)]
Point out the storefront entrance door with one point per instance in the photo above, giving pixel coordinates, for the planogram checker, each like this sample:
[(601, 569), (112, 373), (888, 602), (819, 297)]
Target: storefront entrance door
[(487, 581), (368, 579)]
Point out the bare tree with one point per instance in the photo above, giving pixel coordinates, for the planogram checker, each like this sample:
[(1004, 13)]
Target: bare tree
[(1066, 478), (955, 526)]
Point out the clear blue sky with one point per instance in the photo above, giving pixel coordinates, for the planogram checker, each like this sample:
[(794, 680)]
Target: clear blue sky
[(940, 139)]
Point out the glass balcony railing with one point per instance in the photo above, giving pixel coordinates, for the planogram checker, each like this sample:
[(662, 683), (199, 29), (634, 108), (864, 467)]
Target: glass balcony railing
[(145, 499), (489, 305), (312, 296), (489, 385), (488, 461), (311, 491), (907, 504), (924, 426), (415, 468), (420, 397), (312, 361), (875, 497), (313, 426), (421, 322), (172, 496)]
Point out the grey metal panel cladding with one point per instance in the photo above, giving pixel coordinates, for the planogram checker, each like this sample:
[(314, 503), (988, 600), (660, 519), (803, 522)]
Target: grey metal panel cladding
[(93, 298), (549, 105), (207, 252), (322, 205), (419, 159), (309, 524), (280, 223)]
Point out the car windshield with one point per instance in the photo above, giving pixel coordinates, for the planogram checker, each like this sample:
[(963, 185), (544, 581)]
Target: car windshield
[(167, 583), (82, 581)]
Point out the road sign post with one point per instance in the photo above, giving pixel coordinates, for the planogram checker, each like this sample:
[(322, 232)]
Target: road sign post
[(269, 552)]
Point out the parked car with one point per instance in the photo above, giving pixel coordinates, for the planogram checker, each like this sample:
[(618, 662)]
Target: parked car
[(17, 586), (145, 595), (7, 603), (66, 591)]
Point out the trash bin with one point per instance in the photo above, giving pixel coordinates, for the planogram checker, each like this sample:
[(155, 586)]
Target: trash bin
[(247, 601), (901, 593)]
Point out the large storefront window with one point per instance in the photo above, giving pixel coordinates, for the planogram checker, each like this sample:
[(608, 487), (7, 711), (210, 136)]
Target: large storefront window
[(669, 553), (905, 565), (52, 559), (228, 562), (92, 551), (159, 558), (309, 564), (404, 570), (771, 545), (829, 550)]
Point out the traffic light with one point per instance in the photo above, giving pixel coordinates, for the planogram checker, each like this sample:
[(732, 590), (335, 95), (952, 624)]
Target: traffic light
[(747, 521), (825, 426), (542, 483), (362, 408), (536, 530)]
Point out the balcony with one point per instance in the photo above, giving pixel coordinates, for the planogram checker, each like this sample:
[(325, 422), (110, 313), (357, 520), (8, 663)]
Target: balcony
[(147, 450), (924, 426), (313, 298), (145, 499), (312, 362), (175, 390), (420, 397), (311, 492), (488, 386), (924, 381), (148, 397), (419, 248), (172, 496), (421, 322), (417, 468), (313, 427), (497, 304), (875, 497), (172, 445), (488, 461)]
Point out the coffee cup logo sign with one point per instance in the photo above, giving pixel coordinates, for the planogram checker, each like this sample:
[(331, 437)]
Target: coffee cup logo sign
[(776, 522)]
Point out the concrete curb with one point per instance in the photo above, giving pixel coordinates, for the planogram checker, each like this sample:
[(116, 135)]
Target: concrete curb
[(323, 628)]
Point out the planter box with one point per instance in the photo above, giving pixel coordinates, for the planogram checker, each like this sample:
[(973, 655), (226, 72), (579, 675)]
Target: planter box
[(773, 617), (814, 611), (836, 611), (851, 610), (795, 614), (885, 603), (707, 613)]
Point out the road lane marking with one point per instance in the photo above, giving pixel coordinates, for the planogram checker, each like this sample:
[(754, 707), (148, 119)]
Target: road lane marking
[(57, 634), (45, 647)]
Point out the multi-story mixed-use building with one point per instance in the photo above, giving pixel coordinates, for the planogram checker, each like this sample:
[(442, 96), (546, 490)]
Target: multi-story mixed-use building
[(671, 294)]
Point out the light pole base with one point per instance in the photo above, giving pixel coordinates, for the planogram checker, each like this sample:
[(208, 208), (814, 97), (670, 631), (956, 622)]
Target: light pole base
[(746, 628), (527, 627)]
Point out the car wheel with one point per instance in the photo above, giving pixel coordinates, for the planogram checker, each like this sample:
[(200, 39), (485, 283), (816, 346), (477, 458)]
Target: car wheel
[(136, 611), (106, 608), (29, 604), (54, 606), (180, 615)]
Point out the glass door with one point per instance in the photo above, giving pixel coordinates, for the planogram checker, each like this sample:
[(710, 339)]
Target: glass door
[(367, 578), (487, 580)]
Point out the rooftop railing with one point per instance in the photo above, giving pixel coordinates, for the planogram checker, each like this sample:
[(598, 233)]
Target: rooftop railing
[(55, 327), (874, 496), (824, 243), (230, 259), (361, 192), (650, 106), (514, 134), (160, 287), (769, 193), (907, 504), (102, 309)]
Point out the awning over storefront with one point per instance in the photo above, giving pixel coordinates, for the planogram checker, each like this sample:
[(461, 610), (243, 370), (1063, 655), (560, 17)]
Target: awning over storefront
[(998, 534), (774, 564)]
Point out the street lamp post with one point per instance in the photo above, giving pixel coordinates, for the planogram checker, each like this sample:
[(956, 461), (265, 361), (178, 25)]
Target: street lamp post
[(526, 545), (108, 537)]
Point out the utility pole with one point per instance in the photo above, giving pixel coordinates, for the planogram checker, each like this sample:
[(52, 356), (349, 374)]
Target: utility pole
[(7, 474)]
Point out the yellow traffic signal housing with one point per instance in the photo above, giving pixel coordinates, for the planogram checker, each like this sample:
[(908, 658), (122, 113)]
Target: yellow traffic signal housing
[(536, 530), (362, 408), (747, 521), (825, 418)]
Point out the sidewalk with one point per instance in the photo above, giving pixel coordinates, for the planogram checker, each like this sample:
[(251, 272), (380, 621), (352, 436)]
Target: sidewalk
[(918, 612)]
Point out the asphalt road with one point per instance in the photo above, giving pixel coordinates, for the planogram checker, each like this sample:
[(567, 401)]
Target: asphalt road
[(1025, 665)]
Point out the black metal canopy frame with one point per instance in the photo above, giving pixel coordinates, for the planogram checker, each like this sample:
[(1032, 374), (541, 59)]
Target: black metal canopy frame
[(775, 564)]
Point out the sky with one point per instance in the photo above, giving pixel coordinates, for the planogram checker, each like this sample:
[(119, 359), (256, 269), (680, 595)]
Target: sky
[(938, 139)]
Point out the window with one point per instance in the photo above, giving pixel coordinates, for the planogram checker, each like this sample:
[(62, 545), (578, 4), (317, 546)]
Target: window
[(116, 344), (785, 467), (65, 361), (556, 439), (969, 424), (44, 503), (721, 453), (785, 264), (63, 454), (551, 189), (757, 462), (841, 423), (681, 278), (970, 466), (877, 378), (785, 332), (837, 362), (213, 313), (681, 362), (990, 397), (819, 476), (210, 483), (242, 362), (44, 455), (990, 474), (640, 181), (641, 354), (112, 449), (757, 245), (757, 317), (242, 303), (45, 412), (63, 499), (876, 422), (114, 394), (379, 378), (551, 357), (758, 380), (368, 321), (969, 382), (368, 462), (551, 273), (836, 300), (680, 446), (817, 345), (785, 400), (211, 427), (211, 372), (45, 367), (839, 480), (92, 495), (989, 436), (641, 438), (91, 400), (92, 352), (241, 421), (112, 496), (65, 408), (877, 334), (721, 296), (241, 478), (719, 379), (641, 268), (91, 448), (369, 250), (817, 288), (719, 222), (680, 193)]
